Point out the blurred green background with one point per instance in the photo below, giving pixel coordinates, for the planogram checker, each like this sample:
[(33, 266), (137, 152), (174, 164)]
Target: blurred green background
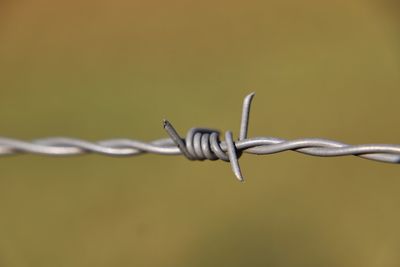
[(109, 69)]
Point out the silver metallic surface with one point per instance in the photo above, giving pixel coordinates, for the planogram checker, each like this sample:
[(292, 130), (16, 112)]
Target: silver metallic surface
[(202, 144)]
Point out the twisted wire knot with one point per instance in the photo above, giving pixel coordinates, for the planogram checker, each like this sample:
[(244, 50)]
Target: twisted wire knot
[(204, 143)]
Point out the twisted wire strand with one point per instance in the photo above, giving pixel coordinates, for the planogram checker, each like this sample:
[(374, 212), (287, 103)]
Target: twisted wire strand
[(203, 144)]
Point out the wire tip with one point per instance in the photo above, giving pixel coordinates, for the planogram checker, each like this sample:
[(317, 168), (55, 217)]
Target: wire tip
[(165, 123), (251, 95), (240, 178)]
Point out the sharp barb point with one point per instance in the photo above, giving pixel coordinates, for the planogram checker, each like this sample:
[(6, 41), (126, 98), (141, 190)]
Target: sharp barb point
[(244, 123)]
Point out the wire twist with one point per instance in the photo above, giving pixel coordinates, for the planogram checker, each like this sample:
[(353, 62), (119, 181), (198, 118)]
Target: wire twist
[(203, 144)]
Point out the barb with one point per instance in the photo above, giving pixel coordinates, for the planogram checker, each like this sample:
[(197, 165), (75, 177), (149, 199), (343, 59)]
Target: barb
[(202, 144)]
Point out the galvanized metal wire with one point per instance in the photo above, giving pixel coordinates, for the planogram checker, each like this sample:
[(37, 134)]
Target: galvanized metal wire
[(203, 144)]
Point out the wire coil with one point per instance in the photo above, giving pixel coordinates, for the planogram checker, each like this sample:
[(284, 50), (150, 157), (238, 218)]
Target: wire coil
[(203, 144)]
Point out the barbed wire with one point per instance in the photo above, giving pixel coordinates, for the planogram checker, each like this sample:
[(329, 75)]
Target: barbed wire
[(203, 144)]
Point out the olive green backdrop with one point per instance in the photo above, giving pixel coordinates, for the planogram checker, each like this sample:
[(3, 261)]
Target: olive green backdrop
[(109, 69)]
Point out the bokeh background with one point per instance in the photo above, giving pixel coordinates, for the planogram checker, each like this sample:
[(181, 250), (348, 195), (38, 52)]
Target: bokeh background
[(109, 69)]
